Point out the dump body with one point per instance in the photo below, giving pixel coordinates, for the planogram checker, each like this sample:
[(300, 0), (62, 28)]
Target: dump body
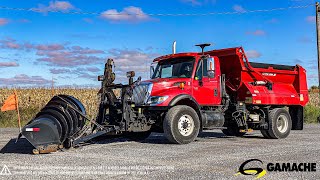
[(259, 83)]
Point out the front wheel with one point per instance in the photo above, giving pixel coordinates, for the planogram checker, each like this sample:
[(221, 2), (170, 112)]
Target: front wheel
[(280, 124), (181, 124)]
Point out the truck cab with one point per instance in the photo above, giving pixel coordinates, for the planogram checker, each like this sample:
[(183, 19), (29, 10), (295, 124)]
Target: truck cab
[(187, 74)]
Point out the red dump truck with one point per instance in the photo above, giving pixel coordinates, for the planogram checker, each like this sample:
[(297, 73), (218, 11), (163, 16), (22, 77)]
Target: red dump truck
[(187, 93)]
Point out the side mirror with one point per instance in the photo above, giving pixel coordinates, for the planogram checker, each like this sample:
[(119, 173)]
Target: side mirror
[(151, 71), (210, 66)]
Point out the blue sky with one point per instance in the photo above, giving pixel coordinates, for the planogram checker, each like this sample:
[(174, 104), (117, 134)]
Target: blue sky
[(38, 45)]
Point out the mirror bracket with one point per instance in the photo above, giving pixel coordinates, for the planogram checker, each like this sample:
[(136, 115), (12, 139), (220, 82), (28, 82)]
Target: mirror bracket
[(151, 71)]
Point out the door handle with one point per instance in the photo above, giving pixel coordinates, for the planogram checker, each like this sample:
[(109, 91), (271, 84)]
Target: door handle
[(215, 92), (200, 83)]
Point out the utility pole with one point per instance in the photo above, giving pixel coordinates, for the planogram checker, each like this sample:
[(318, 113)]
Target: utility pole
[(318, 43)]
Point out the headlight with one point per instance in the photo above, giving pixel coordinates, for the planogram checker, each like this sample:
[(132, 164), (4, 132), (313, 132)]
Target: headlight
[(155, 100)]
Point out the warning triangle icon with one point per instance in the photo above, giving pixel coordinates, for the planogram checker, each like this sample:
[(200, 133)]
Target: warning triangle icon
[(5, 170)]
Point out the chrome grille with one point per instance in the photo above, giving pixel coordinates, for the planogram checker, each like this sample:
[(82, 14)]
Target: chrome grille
[(141, 93)]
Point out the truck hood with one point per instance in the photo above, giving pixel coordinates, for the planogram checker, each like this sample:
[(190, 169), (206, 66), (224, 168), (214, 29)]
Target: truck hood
[(162, 85), (166, 80)]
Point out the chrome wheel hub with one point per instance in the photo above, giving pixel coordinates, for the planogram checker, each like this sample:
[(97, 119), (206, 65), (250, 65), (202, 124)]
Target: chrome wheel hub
[(282, 123), (186, 125)]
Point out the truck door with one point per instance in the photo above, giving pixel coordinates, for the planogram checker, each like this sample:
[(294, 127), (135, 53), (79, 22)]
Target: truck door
[(206, 89)]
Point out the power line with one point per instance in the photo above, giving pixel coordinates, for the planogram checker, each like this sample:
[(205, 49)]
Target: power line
[(155, 14)]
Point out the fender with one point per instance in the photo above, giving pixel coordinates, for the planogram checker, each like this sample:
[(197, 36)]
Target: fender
[(180, 97)]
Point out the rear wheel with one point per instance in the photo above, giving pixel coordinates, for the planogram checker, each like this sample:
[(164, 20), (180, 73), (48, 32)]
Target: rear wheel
[(280, 124), (181, 124)]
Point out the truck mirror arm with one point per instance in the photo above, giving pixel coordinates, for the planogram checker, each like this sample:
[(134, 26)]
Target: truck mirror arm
[(151, 71)]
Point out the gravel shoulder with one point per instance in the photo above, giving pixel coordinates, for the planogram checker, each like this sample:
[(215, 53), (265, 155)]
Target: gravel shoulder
[(211, 156)]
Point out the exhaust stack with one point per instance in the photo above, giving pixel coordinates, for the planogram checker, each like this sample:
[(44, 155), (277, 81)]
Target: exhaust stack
[(174, 46)]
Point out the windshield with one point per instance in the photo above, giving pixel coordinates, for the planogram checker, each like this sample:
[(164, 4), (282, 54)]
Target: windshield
[(174, 68)]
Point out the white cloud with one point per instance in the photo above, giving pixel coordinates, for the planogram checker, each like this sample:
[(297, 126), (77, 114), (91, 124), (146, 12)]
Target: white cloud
[(306, 40), (57, 54), (131, 60), (192, 2), (239, 9), (257, 33), (198, 2), (253, 54), (3, 21), (24, 80), (62, 6), (24, 21), (88, 20), (311, 19), (131, 14), (8, 64), (273, 21)]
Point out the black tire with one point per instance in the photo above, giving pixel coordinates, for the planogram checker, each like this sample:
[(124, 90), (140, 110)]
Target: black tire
[(137, 136), (280, 124), (233, 131), (188, 130), (265, 134)]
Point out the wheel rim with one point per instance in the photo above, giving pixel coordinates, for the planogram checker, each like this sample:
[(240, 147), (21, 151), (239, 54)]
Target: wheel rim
[(282, 123), (186, 125)]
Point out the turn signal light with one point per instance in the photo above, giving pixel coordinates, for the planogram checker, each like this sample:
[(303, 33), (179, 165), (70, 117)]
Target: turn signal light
[(181, 85), (301, 97)]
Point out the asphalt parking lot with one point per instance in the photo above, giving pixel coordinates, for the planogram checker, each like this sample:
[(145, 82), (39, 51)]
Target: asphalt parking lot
[(211, 156)]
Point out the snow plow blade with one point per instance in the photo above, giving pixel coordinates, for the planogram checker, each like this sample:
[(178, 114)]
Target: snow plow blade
[(55, 125)]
